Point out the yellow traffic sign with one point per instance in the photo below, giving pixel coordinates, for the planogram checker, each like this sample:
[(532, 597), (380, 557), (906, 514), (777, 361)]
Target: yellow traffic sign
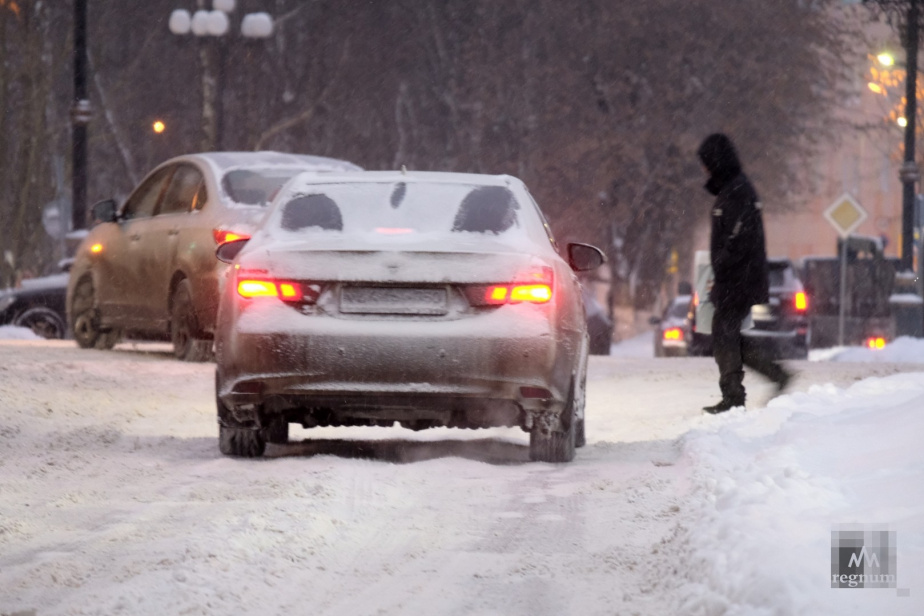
[(845, 214)]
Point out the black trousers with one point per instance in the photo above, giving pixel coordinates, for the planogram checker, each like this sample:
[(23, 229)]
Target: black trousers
[(733, 351)]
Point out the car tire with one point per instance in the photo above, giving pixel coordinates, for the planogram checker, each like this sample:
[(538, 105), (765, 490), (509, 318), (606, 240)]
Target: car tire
[(85, 320), (580, 438), (558, 445), (184, 327), (276, 430), (43, 322), (241, 442)]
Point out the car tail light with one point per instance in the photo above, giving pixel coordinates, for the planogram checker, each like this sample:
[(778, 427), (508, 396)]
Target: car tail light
[(286, 290), (800, 301), (533, 288), (877, 343), (223, 236), (673, 333)]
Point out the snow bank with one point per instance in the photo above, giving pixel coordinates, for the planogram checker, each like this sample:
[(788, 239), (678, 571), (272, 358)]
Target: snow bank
[(902, 349), (12, 332), (775, 483)]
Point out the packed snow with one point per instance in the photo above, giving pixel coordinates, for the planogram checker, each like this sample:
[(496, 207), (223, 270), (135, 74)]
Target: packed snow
[(114, 498)]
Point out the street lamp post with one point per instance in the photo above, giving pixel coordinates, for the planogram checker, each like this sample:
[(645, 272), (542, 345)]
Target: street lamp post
[(909, 173), (216, 24), (80, 117)]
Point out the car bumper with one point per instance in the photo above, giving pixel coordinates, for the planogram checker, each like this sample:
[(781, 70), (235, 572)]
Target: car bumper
[(281, 359)]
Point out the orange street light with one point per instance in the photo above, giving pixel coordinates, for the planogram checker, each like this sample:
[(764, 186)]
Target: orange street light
[(159, 127)]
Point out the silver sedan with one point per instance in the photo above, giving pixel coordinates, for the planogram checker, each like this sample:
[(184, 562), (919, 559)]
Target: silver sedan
[(428, 299)]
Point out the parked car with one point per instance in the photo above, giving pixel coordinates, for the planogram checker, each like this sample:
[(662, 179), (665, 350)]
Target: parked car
[(148, 270), (780, 326), (430, 299), (39, 304), (672, 330)]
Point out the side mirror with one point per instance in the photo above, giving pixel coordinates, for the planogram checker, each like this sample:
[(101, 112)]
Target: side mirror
[(584, 257), (229, 250), (104, 211)]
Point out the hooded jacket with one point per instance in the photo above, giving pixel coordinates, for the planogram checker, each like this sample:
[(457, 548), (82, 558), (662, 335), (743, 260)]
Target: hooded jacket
[(737, 246)]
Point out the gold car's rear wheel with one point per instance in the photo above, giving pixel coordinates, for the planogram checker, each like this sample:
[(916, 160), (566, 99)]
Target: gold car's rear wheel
[(86, 319), (184, 327)]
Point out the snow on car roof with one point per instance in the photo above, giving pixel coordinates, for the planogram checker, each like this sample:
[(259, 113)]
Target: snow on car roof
[(433, 177), (229, 160)]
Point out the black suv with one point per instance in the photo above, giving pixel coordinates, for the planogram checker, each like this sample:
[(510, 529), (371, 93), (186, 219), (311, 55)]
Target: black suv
[(781, 325)]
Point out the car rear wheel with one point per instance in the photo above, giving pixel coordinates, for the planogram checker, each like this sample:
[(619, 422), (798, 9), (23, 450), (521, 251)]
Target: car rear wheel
[(241, 442), (276, 430), (557, 445), (184, 327), (43, 322), (86, 320)]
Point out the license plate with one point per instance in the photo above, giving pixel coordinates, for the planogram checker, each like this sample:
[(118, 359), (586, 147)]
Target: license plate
[(393, 300)]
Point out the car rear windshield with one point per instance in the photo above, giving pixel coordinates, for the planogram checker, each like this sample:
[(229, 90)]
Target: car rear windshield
[(400, 209), (679, 308), (778, 274), (255, 186)]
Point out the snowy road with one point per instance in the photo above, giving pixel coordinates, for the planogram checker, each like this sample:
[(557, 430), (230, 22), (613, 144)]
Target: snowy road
[(115, 500)]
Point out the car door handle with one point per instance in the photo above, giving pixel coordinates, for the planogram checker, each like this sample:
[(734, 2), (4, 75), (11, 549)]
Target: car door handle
[(135, 237), (173, 232)]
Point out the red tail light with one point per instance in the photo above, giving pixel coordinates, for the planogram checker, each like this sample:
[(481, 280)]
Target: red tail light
[(800, 301), (287, 291), (223, 236), (533, 288), (877, 343), (673, 333)]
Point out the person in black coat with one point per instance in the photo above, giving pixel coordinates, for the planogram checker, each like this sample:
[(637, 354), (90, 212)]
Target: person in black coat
[(739, 264)]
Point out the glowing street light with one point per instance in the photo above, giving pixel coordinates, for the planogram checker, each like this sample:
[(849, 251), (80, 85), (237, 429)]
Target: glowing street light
[(902, 122), (886, 59), (158, 127)]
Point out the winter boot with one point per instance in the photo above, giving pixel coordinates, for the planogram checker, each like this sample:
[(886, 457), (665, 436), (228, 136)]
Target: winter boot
[(725, 405)]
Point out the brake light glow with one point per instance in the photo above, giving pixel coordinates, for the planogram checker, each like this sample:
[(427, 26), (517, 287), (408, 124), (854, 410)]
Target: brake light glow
[(223, 236), (673, 333), (257, 288), (496, 295), (286, 290), (534, 287), (876, 343), (800, 301), (534, 293)]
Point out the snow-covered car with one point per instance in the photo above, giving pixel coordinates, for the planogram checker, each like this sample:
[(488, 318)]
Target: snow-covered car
[(147, 269), (672, 328), (430, 299), (38, 305)]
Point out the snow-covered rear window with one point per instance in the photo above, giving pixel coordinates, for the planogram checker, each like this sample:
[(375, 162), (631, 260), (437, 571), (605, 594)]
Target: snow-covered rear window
[(403, 209), (256, 186)]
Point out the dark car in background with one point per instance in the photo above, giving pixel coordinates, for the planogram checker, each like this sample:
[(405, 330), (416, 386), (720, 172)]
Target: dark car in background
[(672, 328), (781, 326), (39, 305), (147, 269)]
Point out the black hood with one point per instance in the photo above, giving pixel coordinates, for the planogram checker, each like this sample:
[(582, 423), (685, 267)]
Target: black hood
[(718, 154)]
